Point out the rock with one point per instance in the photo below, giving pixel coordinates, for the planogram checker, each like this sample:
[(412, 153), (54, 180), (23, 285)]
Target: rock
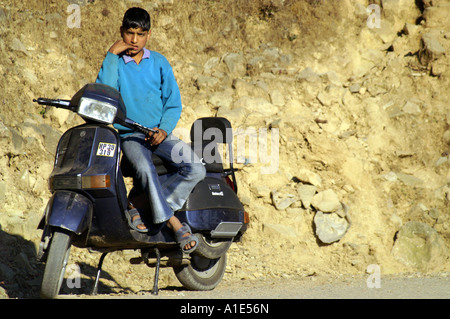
[(403, 8), (256, 105), (431, 49), (410, 29), (235, 63), (331, 94), (18, 142), (332, 78), (165, 21), (326, 201), (60, 116), (433, 3), (203, 81), (3, 293), (306, 194), (51, 136), (354, 88), (306, 176), (308, 75), (439, 67), (390, 177), (211, 63), (411, 108), (221, 99), (17, 45), (420, 246), (446, 137), (5, 133), (277, 98), (282, 199), (437, 17), (330, 227), (409, 180), (260, 190), (243, 88)]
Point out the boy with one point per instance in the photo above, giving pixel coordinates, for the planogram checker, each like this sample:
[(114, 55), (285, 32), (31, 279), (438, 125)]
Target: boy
[(148, 87)]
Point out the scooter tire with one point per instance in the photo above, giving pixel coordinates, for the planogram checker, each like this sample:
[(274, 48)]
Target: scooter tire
[(201, 274), (55, 266), (211, 249)]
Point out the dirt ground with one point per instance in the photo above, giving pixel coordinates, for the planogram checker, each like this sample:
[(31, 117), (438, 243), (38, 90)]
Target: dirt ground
[(406, 286)]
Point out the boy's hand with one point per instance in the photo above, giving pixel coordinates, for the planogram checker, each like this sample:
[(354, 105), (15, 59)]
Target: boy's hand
[(119, 46), (157, 137)]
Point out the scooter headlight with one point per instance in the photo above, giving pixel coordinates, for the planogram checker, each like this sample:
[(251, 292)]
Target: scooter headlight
[(96, 110)]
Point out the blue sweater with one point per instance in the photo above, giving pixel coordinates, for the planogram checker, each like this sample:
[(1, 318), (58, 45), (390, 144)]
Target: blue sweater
[(149, 89)]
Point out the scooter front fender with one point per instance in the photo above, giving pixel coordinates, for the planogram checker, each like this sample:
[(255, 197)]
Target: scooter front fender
[(69, 210)]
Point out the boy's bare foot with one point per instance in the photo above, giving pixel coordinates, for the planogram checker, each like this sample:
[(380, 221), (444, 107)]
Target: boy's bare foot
[(140, 226), (175, 224)]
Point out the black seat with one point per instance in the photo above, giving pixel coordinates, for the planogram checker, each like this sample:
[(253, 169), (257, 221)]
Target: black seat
[(205, 134)]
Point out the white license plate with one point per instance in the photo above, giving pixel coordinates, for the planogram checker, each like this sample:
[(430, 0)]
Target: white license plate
[(106, 149)]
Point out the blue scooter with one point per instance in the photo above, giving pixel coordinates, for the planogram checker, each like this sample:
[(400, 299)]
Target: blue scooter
[(88, 206)]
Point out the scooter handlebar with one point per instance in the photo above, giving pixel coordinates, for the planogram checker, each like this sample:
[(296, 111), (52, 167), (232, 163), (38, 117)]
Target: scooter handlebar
[(136, 126), (65, 104)]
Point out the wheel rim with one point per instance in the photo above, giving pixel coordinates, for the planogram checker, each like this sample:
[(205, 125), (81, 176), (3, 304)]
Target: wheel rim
[(205, 268)]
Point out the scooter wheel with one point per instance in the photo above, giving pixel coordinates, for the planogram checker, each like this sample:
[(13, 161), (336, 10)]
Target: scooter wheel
[(211, 248), (202, 273), (58, 256)]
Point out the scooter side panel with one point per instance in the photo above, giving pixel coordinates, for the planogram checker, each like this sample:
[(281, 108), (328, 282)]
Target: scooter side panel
[(212, 193), (69, 210)]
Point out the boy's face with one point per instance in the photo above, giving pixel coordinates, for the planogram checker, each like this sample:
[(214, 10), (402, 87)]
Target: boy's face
[(135, 37)]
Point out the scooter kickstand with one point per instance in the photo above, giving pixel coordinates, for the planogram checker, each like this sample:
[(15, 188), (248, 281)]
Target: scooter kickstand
[(158, 261), (99, 270)]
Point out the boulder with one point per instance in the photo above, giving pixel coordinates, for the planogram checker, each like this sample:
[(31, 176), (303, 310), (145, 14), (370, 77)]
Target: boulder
[(437, 17), (306, 176), (330, 227), (235, 63), (419, 246), (431, 49), (326, 201), (282, 198), (306, 194)]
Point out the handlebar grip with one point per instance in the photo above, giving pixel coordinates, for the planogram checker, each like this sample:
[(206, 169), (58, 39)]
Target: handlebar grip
[(138, 127), (52, 102)]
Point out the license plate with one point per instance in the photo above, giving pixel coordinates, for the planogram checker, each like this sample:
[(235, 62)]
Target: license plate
[(106, 149)]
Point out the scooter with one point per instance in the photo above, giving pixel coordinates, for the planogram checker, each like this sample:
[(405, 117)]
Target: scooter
[(88, 206)]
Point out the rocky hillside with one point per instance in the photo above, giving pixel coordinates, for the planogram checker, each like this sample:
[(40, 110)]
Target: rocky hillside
[(344, 106)]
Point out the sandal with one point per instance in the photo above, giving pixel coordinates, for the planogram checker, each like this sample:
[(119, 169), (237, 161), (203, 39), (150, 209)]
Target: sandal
[(184, 240), (136, 222)]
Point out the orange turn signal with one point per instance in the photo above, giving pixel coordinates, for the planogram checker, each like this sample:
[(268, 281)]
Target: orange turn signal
[(98, 181), (246, 218)]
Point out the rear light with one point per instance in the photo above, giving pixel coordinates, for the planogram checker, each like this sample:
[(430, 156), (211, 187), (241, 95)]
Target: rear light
[(79, 182), (230, 183), (246, 218), (98, 181)]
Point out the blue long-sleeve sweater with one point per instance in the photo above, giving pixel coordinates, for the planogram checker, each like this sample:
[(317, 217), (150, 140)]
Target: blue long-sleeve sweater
[(149, 89)]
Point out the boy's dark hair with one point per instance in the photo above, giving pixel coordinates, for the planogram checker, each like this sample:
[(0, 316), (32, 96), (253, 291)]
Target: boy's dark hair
[(136, 18)]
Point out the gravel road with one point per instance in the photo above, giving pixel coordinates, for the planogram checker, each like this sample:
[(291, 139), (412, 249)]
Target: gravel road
[(412, 286)]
